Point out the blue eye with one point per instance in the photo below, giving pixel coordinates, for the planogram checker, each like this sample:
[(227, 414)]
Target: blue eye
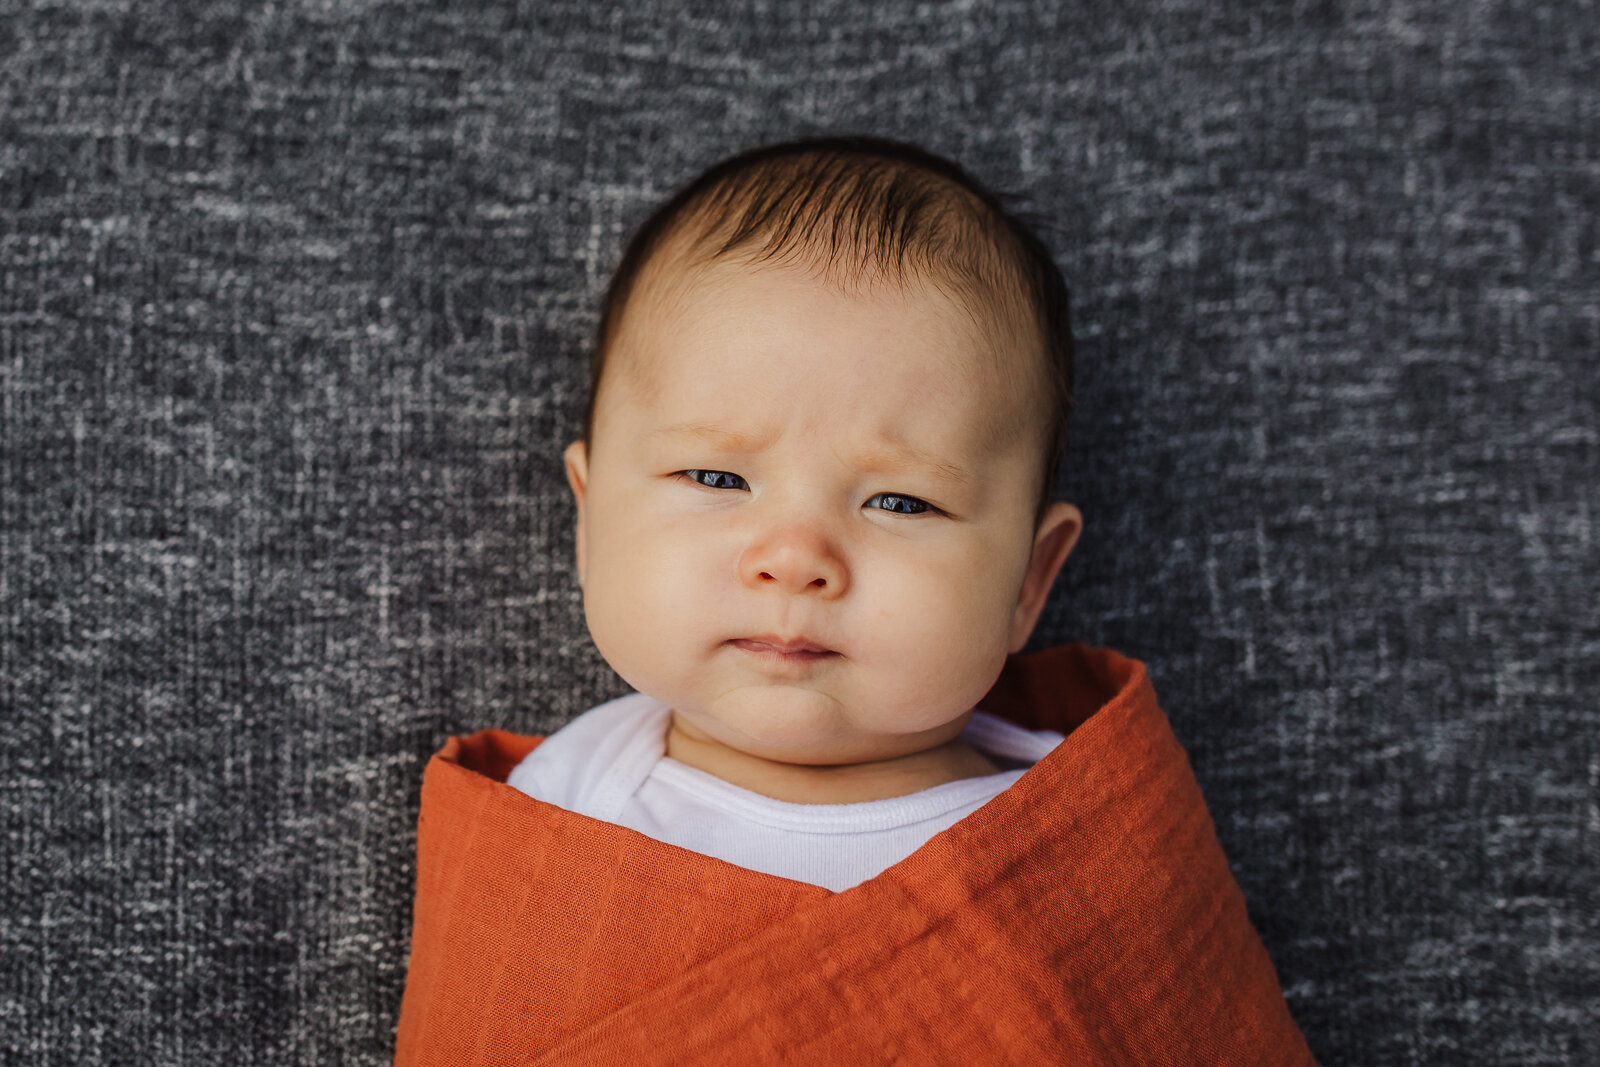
[(716, 479), (899, 505)]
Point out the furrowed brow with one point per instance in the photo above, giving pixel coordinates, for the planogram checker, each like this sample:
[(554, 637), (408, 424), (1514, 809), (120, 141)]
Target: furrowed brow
[(891, 458)]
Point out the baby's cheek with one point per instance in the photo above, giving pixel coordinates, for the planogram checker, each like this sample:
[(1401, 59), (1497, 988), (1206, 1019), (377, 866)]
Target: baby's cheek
[(940, 627), (619, 597)]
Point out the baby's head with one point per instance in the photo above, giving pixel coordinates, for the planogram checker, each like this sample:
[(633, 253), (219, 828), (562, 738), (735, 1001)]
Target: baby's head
[(830, 386)]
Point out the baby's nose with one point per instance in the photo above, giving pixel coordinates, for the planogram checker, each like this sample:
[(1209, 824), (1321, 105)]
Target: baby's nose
[(795, 560)]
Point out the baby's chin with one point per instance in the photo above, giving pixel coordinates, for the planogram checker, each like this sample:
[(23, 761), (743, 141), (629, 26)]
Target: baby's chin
[(799, 725)]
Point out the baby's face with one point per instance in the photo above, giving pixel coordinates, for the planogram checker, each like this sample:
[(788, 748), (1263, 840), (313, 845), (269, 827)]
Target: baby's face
[(806, 521)]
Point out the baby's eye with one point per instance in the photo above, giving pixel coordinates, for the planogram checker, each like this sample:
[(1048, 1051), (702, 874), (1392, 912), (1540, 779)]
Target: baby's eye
[(900, 505), (716, 479)]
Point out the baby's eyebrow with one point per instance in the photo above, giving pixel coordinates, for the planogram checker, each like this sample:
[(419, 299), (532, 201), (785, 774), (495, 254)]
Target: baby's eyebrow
[(718, 437), (901, 457)]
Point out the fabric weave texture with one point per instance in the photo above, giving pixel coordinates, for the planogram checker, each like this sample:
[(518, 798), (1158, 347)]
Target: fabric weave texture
[(1085, 915), (294, 311)]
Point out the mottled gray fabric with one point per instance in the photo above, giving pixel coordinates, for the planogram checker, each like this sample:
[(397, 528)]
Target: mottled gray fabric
[(294, 300)]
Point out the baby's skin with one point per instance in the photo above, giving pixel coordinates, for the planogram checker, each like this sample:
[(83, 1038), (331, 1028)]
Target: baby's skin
[(808, 521)]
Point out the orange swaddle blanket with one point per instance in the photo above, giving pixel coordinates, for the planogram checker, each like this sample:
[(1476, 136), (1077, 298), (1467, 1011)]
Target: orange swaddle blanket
[(1085, 915)]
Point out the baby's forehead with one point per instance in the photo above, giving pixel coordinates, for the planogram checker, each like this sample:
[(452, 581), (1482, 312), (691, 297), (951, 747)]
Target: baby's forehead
[(686, 296), (689, 289)]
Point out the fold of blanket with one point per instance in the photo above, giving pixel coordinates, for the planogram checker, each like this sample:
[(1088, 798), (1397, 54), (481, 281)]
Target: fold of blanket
[(1085, 915)]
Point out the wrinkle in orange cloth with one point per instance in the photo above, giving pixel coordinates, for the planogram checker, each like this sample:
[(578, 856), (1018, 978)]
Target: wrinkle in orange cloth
[(1086, 915)]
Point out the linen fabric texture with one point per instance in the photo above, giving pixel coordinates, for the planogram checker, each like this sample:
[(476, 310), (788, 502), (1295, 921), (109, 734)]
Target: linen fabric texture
[(1085, 915)]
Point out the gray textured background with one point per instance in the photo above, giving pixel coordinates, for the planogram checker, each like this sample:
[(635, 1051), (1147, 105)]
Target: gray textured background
[(293, 308)]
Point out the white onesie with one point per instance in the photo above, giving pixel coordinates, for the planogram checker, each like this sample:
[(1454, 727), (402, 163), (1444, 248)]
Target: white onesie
[(610, 763)]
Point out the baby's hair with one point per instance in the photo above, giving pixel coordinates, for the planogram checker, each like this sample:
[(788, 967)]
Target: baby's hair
[(859, 208)]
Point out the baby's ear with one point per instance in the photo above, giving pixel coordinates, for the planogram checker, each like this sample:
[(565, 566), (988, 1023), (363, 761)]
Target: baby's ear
[(1052, 542), (577, 458)]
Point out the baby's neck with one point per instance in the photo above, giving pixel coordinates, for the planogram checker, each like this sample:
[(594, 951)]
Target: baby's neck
[(848, 783)]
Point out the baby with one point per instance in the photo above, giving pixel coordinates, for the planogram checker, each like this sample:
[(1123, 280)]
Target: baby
[(814, 523), (814, 513)]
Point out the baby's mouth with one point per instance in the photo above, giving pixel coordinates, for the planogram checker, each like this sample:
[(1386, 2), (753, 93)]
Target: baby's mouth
[(788, 650)]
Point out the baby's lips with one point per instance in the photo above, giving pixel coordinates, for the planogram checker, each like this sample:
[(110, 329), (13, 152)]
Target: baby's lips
[(786, 646)]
